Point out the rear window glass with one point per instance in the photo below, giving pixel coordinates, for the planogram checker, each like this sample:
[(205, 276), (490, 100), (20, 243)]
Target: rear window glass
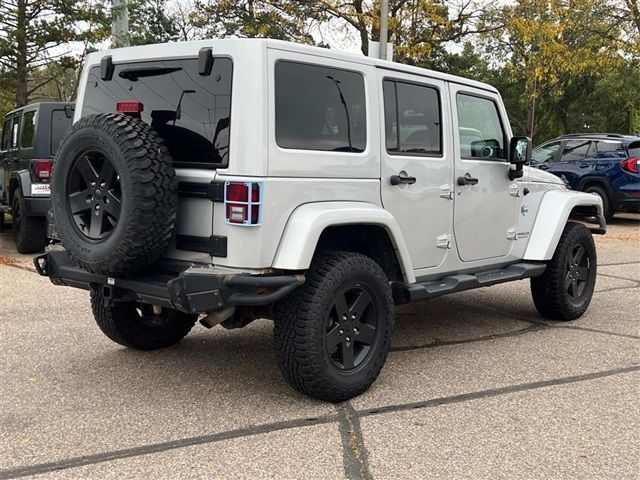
[(607, 149), (60, 122), (190, 111), (6, 135), (575, 150), (28, 129), (319, 108), (634, 149)]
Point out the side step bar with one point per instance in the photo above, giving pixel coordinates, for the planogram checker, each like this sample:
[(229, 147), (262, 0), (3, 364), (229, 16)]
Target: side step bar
[(414, 292)]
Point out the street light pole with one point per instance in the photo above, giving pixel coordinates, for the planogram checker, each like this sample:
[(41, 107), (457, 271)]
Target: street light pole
[(384, 28)]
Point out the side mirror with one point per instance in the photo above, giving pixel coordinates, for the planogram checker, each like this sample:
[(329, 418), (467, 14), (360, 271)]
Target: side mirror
[(519, 155), (520, 150)]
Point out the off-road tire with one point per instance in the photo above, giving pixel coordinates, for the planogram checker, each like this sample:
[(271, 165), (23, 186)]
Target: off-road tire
[(149, 194), (29, 233), (607, 206), (549, 292), (123, 324), (300, 327)]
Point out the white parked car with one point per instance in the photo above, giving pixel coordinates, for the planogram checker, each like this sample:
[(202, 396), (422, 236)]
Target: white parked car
[(230, 180)]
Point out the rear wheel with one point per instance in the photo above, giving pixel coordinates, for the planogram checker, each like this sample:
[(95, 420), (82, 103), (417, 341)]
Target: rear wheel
[(29, 233), (564, 290), (135, 325), (607, 206), (333, 334)]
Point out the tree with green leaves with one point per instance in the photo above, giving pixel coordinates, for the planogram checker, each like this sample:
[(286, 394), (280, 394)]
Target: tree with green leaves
[(151, 21), (35, 33), (279, 19), (549, 54)]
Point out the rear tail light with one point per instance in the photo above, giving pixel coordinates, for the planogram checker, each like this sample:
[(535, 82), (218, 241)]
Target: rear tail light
[(42, 169), (130, 108), (243, 203), (630, 164)]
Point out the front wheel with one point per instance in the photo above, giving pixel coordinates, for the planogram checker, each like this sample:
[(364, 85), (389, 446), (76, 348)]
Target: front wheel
[(333, 334), (564, 290), (136, 325)]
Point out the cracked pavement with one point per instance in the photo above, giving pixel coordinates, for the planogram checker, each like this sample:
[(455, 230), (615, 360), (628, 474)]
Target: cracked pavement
[(477, 385)]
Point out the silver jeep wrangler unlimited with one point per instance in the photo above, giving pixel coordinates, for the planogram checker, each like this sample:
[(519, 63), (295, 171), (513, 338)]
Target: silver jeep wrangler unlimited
[(230, 180)]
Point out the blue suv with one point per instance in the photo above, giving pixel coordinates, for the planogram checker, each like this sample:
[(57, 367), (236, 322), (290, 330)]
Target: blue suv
[(605, 164)]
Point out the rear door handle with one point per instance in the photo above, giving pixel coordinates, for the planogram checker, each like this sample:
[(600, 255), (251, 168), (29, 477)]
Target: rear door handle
[(467, 180), (398, 179)]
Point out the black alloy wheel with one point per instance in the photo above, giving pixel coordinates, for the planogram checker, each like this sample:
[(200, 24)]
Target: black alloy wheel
[(564, 290), (332, 334), (114, 194), (95, 195), (352, 324), (578, 273)]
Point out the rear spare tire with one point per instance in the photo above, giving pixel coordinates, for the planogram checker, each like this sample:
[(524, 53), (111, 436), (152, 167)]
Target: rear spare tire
[(114, 194)]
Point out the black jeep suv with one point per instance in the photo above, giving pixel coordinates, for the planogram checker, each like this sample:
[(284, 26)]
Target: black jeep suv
[(30, 138)]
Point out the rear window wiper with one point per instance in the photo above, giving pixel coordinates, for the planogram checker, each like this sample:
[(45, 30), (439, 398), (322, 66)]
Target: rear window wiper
[(134, 74)]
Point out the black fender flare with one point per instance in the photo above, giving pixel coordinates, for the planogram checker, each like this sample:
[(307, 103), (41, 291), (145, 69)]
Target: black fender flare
[(21, 179), (595, 179)]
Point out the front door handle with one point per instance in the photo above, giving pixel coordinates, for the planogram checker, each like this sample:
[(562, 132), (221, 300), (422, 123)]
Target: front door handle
[(398, 179), (467, 180)]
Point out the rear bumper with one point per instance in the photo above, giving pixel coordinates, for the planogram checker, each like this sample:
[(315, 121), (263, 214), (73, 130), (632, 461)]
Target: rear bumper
[(627, 199), (629, 203), (184, 287)]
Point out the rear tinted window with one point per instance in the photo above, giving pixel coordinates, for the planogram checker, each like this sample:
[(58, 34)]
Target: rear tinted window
[(60, 122), (28, 129), (412, 118), (6, 135), (191, 112), (319, 108), (607, 149)]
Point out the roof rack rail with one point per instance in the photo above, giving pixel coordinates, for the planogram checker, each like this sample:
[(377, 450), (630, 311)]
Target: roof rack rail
[(610, 135)]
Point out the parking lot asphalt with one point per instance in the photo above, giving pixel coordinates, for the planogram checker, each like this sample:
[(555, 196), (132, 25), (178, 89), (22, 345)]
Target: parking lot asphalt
[(477, 385)]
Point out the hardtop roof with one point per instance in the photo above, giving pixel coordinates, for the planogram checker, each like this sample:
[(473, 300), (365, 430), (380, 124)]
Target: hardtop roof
[(40, 105), (191, 48)]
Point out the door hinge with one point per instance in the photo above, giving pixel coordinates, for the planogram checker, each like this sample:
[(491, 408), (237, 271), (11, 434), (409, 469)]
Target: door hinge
[(512, 234), (514, 190), (444, 240), (446, 192)]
